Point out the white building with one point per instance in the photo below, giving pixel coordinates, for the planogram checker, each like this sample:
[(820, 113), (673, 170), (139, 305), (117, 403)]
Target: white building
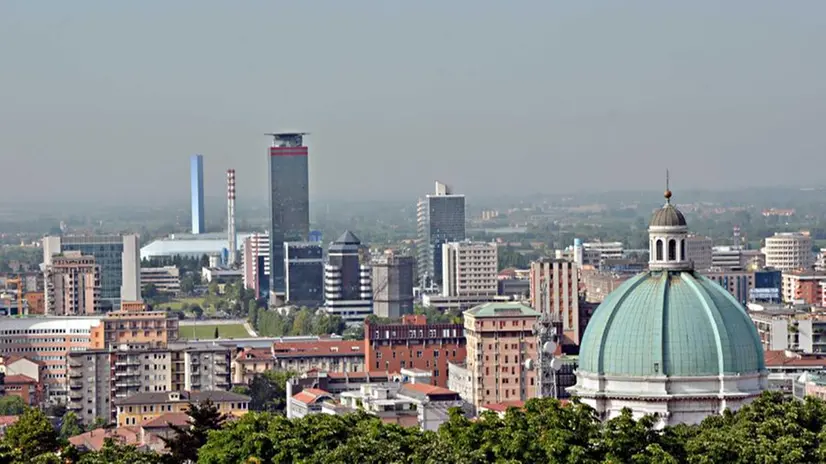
[(693, 354), (255, 252), (469, 268), (607, 250), (788, 251), (166, 279)]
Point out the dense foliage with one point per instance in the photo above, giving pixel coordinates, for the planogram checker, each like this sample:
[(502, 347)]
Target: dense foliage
[(773, 429), (272, 323), (267, 391)]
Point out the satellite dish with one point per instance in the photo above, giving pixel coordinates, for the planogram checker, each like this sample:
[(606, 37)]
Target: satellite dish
[(529, 364), (556, 364), (549, 347)]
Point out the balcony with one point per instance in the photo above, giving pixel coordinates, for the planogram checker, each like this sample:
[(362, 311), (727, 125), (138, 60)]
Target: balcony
[(127, 383), (75, 395), (75, 374), (75, 385), (127, 362)]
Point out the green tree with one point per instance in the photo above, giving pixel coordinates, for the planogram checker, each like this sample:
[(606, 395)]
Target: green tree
[(11, 405), (252, 312), (32, 434), (150, 291), (188, 439), (268, 391), (115, 453), (187, 285), (303, 322), (70, 426), (215, 334), (98, 423)]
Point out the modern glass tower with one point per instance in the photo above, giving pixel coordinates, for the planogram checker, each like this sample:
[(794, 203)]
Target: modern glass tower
[(196, 167), (289, 201), (440, 219)]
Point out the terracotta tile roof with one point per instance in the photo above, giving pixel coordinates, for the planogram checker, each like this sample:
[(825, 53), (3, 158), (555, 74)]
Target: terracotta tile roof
[(255, 354), (6, 421), (320, 348), (94, 440), (781, 358), (503, 406), (163, 421), (13, 358), (311, 395), (429, 390), (20, 378)]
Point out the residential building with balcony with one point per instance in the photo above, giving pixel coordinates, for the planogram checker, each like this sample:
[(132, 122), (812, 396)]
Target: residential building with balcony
[(72, 285), (803, 286), (789, 251), (137, 328), (144, 407)]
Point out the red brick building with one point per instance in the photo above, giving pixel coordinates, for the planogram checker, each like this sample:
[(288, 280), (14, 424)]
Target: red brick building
[(414, 344)]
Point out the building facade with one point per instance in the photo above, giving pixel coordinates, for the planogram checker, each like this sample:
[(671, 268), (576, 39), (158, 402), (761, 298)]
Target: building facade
[(143, 407), (289, 201), (72, 285), (803, 285), (348, 290), (255, 261), (499, 341), (137, 329), (698, 251), (469, 268), (166, 279), (116, 255), (393, 280), (304, 273), (789, 251), (555, 291), (414, 344), (196, 180), (440, 219)]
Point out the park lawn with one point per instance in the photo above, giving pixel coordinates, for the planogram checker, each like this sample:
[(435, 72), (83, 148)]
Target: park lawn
[(207, 332), (177, 304)]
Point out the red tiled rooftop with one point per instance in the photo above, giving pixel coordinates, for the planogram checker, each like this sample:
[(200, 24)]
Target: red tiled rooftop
[(311, 395), (14, 379), (780, 358), (6, 421), (255, 354), (503, 406), (320, 348), (179, 419), (428, 389), (94, 440)]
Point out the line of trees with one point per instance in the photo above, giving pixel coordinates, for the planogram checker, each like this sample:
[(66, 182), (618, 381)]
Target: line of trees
[(305, 321), (773, 429)]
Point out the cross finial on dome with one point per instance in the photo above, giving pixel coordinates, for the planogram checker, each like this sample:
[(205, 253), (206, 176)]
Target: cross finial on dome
[(667, 190)]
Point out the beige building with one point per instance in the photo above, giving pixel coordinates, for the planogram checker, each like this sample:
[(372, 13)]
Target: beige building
[(144, 407), (469, 268), (72, 285), (136, 327), (555, 290), (99, 377), (699, 250), (788, 251), (322, 355), (166, 279), (499, 341)]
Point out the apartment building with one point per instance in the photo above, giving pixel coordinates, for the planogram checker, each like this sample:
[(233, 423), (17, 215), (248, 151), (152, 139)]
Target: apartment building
[(555, 290), (47, 341), (300, 357), (794, 329), (393, 281), (72, 285), (97, 378), (699, 251), (414, 344), (789, 251), (605, 250), (469, 268), (166, 279), (499, 340), (736, 258), (143, 407), (255, 261), (134, 326), (21, 378), (803, 285)]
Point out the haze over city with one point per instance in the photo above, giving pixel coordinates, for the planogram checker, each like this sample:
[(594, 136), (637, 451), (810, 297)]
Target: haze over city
[(113, 97)]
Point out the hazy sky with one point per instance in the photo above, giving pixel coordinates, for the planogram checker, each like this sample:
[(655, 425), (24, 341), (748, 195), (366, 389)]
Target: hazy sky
[(103, 98)]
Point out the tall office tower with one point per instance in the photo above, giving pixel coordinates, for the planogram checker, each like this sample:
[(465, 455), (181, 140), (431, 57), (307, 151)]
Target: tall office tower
[(304, 276), (196, 173), (393, 285), (72, 285), (347, 282), (255, 260), (118, 257), (699, 251), (555, 291), (789, 251), (440, 219), (469, 268), (289, 201), (233, 237)]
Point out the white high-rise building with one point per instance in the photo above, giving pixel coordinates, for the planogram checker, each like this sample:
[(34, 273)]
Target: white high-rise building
[(469, 268), (607, 250), (788, 251), (698, 251)]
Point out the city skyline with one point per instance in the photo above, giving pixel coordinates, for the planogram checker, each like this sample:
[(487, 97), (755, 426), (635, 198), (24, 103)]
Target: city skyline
[(549, 80)]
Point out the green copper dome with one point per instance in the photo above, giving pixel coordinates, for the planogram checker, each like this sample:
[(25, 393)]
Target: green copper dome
[(670, 323)]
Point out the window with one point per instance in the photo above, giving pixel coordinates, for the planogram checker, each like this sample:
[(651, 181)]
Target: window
[(659, 251), (682, 250), (672, 250)]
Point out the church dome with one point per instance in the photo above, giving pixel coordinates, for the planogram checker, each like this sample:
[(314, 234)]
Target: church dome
[(666, 323), (667, 216)]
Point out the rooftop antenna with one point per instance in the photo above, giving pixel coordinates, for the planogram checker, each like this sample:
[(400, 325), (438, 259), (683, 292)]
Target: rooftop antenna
[(667, 189)]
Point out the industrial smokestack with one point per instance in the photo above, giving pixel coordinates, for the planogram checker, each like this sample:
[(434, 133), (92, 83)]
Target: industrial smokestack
[(231, 217)]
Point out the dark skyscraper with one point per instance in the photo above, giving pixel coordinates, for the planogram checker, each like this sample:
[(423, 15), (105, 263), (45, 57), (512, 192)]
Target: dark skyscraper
[(440, 219), (289, 201), (304, 276)]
